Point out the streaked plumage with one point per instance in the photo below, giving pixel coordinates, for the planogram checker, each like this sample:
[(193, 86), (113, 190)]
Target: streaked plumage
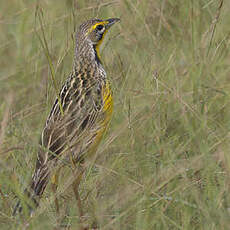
[(81, 112)]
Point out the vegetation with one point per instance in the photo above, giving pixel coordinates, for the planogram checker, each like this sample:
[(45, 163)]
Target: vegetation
[(165, 162)]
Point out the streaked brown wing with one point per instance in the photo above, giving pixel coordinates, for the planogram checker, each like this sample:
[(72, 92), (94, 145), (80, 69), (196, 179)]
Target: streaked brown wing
[(77, 128)]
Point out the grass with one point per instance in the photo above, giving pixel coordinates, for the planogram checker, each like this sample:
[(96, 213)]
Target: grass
[(164, 163)]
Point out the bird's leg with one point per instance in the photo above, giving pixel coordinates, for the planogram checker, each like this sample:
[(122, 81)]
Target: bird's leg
[(54, 186), (75, 186), (78, 173)]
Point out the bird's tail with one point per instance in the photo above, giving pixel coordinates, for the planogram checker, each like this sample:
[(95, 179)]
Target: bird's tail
[(33, 194)]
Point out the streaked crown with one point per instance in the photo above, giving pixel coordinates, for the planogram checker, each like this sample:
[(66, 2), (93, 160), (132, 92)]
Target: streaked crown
[(95, 29), (90, 35)]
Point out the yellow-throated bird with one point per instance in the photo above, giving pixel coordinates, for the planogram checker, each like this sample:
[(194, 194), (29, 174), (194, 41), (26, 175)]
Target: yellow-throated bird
[(79, 116)]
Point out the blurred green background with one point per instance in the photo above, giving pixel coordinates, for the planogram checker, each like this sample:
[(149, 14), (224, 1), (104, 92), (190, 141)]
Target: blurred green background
[(165, 161)]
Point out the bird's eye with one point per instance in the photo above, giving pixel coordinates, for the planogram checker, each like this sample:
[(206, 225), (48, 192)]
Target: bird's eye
[(100, 27)]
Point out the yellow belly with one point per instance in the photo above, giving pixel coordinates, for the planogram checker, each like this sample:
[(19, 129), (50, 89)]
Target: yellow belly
[(108, 103), (107, 110)]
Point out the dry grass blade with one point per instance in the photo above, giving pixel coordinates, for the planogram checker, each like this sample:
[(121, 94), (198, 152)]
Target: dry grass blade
[(214, 25), (6, 117)]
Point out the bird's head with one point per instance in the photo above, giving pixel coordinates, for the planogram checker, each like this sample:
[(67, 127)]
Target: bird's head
[(92, 32), (95, 29)]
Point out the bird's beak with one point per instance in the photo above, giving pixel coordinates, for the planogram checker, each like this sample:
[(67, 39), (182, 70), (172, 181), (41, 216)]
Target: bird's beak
[(110, 22)]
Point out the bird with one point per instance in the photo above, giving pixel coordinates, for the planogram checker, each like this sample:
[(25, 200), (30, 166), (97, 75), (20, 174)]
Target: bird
[(78, 119)]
